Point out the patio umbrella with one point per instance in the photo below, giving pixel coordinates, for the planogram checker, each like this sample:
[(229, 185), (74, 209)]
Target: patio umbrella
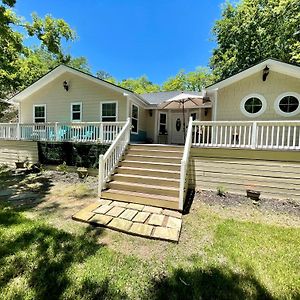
[(183, 101)]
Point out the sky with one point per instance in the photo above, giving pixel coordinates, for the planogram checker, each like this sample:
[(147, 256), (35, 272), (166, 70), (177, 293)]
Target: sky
[(131, 38)]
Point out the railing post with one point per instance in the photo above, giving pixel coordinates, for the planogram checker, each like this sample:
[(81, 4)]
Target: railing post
[(101, 133), (100, 175), (254, 136), (18, 132), (55, 131)]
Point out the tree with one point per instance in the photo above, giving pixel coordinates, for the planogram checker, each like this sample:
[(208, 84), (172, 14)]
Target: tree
[(103, 75), (139, 85), (253, 30), (192, 81), (13, 53)]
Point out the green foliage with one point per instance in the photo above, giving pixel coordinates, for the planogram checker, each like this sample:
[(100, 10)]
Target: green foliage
[(253, 30), (221, 191), (140, 85), (62, 167), (192, 81)]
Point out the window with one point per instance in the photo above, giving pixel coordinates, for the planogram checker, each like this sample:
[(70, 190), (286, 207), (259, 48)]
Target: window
[(194, 116), (39, 113), (76, 111), (288, 104), (134, 118), (109, 111), (253, 105), (163, 123)]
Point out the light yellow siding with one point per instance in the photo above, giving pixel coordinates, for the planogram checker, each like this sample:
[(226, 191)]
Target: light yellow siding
[(230, 97), (58, 101)]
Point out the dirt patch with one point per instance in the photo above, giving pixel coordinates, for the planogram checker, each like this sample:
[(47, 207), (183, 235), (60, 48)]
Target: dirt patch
[(265, 205)]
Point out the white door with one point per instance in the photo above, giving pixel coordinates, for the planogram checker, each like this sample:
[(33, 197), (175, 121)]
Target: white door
[(177, 134)]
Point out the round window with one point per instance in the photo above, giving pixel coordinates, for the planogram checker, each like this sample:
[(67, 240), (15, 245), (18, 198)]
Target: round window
[(288, 104), (253, 105)]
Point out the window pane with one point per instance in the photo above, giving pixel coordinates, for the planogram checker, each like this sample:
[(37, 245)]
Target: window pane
[(39, 120), (39, 111), (108, 119), (76, 107), (109, 109), (76, 116), (134, 125), (162, 129), (163, 118), (135, 112), (289, 104), (253, 105)]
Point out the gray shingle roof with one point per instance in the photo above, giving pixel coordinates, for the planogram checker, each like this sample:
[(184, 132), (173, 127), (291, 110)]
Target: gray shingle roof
[(157, 98)]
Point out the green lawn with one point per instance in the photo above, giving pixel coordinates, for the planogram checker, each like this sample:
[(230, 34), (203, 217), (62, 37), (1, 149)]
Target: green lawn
[(224, 253)]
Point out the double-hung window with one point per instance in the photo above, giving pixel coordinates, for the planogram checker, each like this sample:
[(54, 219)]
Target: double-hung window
[(135, 119), (76, 112), (162, 123), (39, 113), (109, 111)]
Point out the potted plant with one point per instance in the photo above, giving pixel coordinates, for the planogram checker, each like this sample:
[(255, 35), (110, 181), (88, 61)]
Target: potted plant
[(82, 172), (252, 193)]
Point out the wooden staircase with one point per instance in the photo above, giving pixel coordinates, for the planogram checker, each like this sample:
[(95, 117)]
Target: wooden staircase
[(149, 175)]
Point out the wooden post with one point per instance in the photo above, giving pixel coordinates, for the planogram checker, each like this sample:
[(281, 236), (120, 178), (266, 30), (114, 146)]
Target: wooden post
[(18, 132), (254, 136), (100, 175)]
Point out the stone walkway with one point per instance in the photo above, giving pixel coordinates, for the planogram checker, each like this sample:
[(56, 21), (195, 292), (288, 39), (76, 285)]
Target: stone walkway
[(136, 219)]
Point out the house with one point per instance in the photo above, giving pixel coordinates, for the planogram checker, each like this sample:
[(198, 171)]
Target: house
[(246, 133)]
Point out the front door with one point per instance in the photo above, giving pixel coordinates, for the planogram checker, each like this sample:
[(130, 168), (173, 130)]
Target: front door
[(177, 134)]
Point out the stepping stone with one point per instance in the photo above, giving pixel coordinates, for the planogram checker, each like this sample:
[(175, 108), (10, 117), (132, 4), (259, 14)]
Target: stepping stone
[(135, 206), (156, 219), (128, 214), (120, 224), (115, 211), (103, 209), (172, 213), (83, 215), (104, 202), (92, 206), (174, 223), (141, 217), (164, 233), (152, 209), (100, 219), (119, 203), (141, 229)]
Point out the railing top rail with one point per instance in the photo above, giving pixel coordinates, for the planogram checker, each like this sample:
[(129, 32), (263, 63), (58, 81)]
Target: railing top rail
[(68, 123), (292, 122), (117, 139)]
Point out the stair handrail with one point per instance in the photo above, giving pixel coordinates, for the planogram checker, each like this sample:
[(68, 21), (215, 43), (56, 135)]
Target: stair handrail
[(184, 164), (111, 158)]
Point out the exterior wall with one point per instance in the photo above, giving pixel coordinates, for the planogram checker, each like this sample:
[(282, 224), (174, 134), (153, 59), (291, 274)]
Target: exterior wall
[(12, 151), (229, 98), (274, 173), (58, 101)]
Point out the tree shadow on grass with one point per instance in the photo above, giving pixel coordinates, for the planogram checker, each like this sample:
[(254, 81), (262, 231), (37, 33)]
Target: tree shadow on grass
[(43, 255), (212, 283)]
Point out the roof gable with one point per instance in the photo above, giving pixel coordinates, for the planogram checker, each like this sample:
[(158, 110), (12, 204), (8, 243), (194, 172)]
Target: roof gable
[(62, 69), (273, 65)]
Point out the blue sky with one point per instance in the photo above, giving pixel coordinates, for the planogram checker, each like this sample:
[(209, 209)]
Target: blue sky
[(134, 37)]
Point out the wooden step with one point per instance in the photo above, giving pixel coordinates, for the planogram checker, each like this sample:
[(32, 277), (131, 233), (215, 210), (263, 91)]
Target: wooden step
[(156, 147), (149, 158), (144, 188), (157, 181), (156, 152), (148, 172), (150, 165), (141, 198)]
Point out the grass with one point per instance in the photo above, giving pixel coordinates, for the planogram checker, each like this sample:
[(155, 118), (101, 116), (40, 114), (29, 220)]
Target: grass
[(222, 254)]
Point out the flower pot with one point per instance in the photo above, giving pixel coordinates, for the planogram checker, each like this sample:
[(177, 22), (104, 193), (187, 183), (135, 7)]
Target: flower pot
[(82, 172), (20, 164), (254, 195)]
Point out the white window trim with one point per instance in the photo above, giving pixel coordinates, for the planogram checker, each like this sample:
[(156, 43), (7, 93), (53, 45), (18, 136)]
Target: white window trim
[(138, 111), (282, 113), (162, 113), (263, 108), (71, 108), (106, 102), (33, 111)]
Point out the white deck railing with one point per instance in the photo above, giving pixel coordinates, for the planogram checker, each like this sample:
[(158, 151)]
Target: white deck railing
[(184, 165), (274, 135), (109, 161), (102, 132)]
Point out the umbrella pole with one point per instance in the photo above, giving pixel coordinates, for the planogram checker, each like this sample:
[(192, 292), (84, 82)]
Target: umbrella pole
[(183, 114)]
